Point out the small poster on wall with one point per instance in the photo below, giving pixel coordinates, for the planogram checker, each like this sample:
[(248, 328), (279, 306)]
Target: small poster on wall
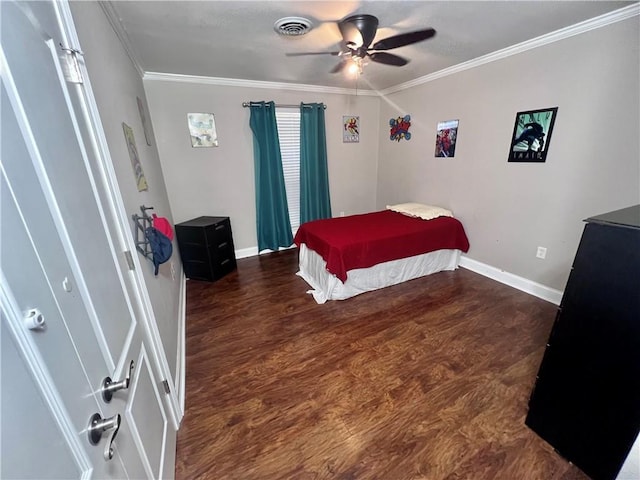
[(202, 129), (446, 138), (531, 135), (350, 129), (141, 182), (145, 123), (400, 128)]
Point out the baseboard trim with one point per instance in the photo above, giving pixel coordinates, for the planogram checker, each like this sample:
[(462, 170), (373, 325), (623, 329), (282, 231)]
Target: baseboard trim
[(182, 347), (247, 252), (253, 251), (528, 286)]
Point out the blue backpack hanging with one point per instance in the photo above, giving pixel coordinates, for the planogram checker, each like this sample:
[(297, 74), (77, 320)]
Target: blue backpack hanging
[(160, 245)]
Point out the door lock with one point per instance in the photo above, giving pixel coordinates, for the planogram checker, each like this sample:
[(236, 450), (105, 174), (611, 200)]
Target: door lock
[(98, 426), (109, 386)]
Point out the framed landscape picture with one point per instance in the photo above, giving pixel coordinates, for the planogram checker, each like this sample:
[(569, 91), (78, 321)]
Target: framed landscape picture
[(531, 135)]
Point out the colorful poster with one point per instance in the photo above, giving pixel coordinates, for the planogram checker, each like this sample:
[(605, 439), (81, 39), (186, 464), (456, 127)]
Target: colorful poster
[(141, 182), (400, 128), (446, 138), (350, 129)]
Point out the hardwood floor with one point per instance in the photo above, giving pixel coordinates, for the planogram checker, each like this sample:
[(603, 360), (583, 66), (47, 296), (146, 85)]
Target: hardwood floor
[(425, 380)]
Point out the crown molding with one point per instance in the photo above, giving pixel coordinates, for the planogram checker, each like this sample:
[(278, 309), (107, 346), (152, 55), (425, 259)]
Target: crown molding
[(236, 82), (121, 33), (582, 27), (567, 32)]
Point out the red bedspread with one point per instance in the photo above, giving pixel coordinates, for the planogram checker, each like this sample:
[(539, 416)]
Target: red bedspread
[(361, 241)]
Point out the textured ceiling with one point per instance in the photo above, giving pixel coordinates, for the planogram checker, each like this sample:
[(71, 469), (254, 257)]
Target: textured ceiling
[(236, 39)]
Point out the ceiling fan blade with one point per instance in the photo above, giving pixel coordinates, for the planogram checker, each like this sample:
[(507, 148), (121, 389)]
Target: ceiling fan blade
[(388, 59), (359, 29), (299, 54), (350, 34), (339, 67), (404, 39)]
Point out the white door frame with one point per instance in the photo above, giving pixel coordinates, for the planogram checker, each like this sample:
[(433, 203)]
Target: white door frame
[(123, 231)]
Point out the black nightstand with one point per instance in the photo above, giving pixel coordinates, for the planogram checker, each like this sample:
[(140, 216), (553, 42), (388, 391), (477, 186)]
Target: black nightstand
[(206, 247)]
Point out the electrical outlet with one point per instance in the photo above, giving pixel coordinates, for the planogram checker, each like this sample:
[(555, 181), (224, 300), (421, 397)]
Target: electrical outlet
[(541, 253), (342, 214), (173, 272)]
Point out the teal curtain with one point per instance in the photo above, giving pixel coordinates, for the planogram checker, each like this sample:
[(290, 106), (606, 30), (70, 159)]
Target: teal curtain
[(272, 213), (314, 174)]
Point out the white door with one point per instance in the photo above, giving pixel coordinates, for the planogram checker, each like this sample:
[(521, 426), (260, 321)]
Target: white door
[(63, 269)]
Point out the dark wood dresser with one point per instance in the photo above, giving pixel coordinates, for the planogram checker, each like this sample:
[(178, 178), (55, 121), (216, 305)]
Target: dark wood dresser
[(206, 247), (586, 400)]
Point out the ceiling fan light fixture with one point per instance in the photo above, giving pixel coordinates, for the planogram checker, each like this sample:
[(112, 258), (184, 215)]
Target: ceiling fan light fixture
[(292, 26), (358, 33), (355, 66)]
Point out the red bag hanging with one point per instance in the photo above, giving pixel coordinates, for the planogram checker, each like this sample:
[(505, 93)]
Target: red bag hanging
[(162, 225)]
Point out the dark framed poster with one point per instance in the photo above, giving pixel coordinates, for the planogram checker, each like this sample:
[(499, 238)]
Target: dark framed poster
[(531, 135)]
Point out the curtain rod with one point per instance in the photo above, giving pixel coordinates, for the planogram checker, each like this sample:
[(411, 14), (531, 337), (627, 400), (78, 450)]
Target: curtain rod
[(248, 104)]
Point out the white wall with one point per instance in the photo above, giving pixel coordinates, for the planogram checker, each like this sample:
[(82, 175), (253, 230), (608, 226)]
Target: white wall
[(219, 181), (631, 468), (508, 209), (116, 84)]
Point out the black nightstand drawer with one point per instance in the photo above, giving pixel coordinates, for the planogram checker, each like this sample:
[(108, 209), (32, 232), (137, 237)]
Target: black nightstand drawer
[(194, 253), (195, 236), (198, 270), (223, 249), (224, 266), (206, 247), (219, 232)]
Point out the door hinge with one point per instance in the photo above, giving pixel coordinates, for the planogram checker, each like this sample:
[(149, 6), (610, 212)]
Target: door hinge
[(129, 258), (70, 65), (165, 384)]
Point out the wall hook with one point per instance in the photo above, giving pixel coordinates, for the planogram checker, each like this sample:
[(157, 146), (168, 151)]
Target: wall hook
[(142, 222)]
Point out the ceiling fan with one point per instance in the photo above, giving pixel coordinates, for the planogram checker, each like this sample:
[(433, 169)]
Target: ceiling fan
[(358, 31)]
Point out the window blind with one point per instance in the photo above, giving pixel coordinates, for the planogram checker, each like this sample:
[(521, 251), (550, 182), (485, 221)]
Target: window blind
[(288, 121)]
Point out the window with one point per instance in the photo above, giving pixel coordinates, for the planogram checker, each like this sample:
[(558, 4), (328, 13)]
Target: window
[(288, 121)]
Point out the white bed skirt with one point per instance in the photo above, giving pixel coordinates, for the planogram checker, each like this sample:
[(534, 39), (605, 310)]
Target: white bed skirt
[(326, 286)]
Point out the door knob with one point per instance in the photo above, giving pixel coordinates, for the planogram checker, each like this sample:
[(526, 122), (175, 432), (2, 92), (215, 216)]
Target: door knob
[(109, 386), (98, 426)]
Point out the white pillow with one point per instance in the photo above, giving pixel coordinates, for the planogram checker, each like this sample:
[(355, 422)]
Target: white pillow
[(426, 212)]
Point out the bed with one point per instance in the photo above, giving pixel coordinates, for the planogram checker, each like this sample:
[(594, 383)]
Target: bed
[(346, 256)]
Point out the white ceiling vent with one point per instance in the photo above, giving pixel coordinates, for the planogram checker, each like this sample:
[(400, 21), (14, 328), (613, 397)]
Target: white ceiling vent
[(292, 26)]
